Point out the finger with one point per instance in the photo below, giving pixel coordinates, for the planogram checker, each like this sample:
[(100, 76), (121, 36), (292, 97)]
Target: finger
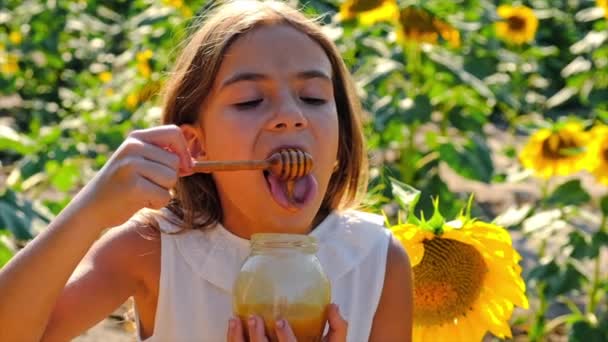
[(159, 155), (338, 326), (156, 196), (235, 331), (134, 147), (157, 173), (168, 136), (255, 326), (284, 332)]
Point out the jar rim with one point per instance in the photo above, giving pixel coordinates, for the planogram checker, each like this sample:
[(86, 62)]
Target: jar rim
[(284, 241)]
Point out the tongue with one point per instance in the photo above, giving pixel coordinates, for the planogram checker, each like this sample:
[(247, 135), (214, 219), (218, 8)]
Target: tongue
[(300, 188), (304, 190)]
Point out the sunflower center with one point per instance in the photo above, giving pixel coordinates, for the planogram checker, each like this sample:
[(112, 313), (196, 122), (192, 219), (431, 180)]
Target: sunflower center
[(516, 23), (418, 25), (447, 281), (605, 153), (557, 146), (364, 5)]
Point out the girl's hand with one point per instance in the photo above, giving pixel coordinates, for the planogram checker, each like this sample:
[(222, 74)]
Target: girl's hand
[(255, 326), (139, 174)]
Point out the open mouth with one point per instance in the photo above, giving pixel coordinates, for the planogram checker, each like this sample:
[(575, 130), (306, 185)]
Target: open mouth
[(304, 190)]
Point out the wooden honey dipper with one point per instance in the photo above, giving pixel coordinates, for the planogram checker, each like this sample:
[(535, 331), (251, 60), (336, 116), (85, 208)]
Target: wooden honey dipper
[(288, 164)]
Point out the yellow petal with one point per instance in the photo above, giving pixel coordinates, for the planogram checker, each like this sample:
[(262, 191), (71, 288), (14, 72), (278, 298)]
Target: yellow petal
[(504, 11)]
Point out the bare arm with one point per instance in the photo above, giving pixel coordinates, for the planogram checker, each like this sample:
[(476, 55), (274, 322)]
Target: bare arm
[(139, 174), (31, 282), (113, 270), (393, 319)]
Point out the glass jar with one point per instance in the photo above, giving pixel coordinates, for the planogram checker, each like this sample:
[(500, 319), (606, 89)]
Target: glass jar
[(283, 279)]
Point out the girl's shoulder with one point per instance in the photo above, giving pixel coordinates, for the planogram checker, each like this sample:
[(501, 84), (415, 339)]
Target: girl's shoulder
[(368, 219), (131, 251), (362, 225), (348, 238)]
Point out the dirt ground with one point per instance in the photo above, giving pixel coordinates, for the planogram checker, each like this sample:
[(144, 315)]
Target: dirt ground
[(109, 330)]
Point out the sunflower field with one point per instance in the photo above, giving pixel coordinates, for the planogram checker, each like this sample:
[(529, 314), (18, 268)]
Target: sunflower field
[(486, 123)]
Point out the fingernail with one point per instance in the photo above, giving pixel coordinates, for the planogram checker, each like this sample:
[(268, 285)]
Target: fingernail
[(251, 322), (231, 323), (337, 308), (280, 324)]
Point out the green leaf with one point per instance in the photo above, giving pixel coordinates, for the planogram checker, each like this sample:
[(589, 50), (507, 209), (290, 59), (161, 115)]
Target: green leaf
[(584, 331), (62, 176), (567, 280), (472, 161), (469, 120), (406, 195), (559, 279), (604, 205), (16, 215), (11, 140), (543, 271), (598, 240), (5, 254), (569, 193), (580, 244), (436, 221), (433, 186), (419, 112)]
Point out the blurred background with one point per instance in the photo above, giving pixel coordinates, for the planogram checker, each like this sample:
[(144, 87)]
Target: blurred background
[(504, 100)]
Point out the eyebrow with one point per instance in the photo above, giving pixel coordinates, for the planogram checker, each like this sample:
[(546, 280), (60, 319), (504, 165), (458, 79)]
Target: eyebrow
[(252, 76)]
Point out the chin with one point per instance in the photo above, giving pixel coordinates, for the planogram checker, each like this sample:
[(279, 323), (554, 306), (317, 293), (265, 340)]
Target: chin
[(294, 222)]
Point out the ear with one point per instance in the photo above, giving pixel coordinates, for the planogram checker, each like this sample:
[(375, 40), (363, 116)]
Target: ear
[(194, 141)]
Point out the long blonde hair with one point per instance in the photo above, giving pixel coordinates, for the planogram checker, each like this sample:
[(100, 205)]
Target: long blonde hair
[(196, 201)]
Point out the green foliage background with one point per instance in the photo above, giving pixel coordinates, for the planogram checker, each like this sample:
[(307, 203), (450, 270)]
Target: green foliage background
[(61, 115)]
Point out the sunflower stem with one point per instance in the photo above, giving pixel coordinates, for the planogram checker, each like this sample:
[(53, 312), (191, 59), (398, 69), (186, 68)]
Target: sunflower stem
[(542, 249), (593, 295), (544, 189), (409, 155), (412, 55), (538, 327), (572, 306)]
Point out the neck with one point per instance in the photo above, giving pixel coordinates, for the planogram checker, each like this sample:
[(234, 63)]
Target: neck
[(245, 231)]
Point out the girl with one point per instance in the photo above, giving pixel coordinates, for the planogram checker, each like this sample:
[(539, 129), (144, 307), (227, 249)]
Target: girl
[(255, 78)]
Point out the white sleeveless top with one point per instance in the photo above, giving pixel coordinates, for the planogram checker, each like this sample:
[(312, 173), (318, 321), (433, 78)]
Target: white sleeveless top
[(198, 269)]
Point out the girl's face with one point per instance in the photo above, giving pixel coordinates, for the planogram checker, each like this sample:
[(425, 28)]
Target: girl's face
[(273, 90)]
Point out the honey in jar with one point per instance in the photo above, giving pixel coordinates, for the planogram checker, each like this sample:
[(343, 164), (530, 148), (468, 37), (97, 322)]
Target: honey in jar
[(283, 279)]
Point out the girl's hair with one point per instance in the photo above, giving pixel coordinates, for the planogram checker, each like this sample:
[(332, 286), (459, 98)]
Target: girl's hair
[(196, 201)]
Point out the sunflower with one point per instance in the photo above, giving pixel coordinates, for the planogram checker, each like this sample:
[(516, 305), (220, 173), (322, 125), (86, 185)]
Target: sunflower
[(105, 76), (467, 280), (519, 25), (143, 65), (132, 101), (369, 11), (418, 25), (559, 151), (15, 37), (604, 5), (179, 4), (597, 162), (9, 63)]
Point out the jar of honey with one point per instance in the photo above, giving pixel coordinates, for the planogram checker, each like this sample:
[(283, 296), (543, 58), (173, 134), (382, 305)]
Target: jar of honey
[(283, 279)]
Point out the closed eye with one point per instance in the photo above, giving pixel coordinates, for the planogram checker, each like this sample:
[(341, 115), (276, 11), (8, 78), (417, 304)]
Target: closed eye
[(248, 104), (314, 100)]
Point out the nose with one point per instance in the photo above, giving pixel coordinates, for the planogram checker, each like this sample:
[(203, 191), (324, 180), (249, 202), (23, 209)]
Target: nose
[(287, 115)]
